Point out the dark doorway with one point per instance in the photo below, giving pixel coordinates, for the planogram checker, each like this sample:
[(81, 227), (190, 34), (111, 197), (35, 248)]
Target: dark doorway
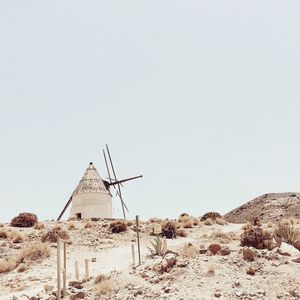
[(78, 215)]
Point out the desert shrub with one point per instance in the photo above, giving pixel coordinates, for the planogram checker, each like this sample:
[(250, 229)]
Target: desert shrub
[(289, 221), (39, 226), (256, 237), (157, 246), (129, 223), (155, 220), (24, 220), (256, 221), (88, 225), (169, 229), (35, 252), (183, 217), (208, 222), (100, 278), (287, 233), (247, 226), (224, 237), (195, 221), (7, 264), (17, 237), (186, 221), (117, 226), (105, 287), (71, 226), (189, 251), (52, 235), (211, 215), (3, 234), (221, 221), (181, 232)]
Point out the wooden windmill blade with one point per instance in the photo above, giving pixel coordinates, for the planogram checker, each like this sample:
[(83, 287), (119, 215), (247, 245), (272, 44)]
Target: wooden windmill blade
[(118, 184), (65, 208)]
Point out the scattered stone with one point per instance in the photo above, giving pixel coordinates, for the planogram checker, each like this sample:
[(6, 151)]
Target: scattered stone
[(224, 251), (79, 295), (251, 271), (94, 259), (214, 248), (288, 250), (169, 260), (48, 287), (248, 254)]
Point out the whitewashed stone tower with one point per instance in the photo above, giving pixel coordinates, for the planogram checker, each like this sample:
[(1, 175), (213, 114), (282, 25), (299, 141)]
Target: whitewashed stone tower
[(91, 199)]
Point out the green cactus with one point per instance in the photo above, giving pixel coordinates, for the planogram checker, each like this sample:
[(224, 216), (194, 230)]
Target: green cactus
[(157, 247)]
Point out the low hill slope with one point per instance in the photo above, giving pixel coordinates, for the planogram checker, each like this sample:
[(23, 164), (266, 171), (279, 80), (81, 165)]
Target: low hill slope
[(268, 207)]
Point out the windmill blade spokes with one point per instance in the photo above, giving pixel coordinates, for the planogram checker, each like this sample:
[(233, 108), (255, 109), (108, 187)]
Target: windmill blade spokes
[(115, 176)]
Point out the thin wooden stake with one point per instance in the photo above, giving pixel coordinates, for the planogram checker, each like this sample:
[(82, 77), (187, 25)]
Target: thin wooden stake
[(138, 237), (86, 267), (65, 271), (133, 254), (76, 271), (58, 270)]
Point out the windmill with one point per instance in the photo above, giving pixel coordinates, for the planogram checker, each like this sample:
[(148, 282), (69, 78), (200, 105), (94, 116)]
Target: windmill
[(92, 197)]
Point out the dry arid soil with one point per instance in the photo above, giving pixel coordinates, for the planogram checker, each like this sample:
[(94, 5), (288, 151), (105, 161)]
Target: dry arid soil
[(190, 269)]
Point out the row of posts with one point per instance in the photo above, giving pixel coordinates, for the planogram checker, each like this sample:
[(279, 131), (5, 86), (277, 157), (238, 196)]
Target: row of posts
[(62, 265)]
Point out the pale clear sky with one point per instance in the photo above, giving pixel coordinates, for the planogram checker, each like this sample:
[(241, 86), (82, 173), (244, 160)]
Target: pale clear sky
[(202, 97)]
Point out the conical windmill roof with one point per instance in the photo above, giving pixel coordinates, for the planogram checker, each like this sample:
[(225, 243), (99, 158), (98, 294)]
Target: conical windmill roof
[(91, 182)]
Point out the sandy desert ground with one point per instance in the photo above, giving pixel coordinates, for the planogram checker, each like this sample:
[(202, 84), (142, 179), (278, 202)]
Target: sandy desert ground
[(189, 270)]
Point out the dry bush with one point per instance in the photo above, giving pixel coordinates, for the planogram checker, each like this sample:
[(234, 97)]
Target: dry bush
[(195, 221), (52, 235), (3, 234), (24, 220), (39, 226), (88, 225), (287, 233), (221, 221), (118, 226), (17, 237), (105, 286), (186, 221), (189, 251), (100, 278), (71, 226), (224, 238), (183, 217), (7, 264), (181, 232), (129, 223), (168, 229), (35, 252), (210, 271), (208, 222), (256, 237), (256, 221), (247, 226), (211, 215)]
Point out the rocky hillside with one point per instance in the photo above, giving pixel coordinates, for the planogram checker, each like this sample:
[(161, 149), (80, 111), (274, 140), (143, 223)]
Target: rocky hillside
[(268, 207)]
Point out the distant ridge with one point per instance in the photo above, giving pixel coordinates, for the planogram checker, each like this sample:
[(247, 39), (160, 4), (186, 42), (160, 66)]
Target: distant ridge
[(268, 207)]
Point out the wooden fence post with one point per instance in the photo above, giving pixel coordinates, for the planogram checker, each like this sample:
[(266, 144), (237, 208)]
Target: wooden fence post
[(133, 254), (76, 271), (58, 270), (65, 271), (138, 237), (86, 267)]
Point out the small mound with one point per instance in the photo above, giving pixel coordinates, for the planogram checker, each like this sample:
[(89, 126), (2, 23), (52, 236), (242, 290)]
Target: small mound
[(52, 235)]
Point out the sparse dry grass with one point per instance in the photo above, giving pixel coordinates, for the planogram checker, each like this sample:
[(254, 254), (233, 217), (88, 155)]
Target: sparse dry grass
[(181, 232), (71, 226), (17, 237), (105, 287), (224, 238), (3, 234), (39, 226), (57, 231), (7, 264), (287, 232), (88, 224), (35, 252), (221, 221), (189, 251)]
